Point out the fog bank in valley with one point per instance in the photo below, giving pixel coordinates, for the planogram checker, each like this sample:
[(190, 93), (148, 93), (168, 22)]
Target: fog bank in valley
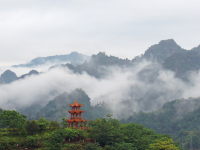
[(147, 86)]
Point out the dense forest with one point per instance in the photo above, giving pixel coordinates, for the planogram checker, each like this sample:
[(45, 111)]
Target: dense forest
[(178, 118), (102, 134)]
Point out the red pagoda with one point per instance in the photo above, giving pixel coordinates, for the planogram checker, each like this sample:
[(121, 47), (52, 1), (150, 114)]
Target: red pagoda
[(76, 115)]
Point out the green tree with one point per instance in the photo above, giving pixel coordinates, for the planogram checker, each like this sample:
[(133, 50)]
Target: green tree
[(13, 119), (64, 124), (70, 133), (105, 132), (55, 140), (32, 127), (92, 146), (43, 124), (54, 125), (31, 141), (138, 135), (163, 144), (120, 146), (4, 143)]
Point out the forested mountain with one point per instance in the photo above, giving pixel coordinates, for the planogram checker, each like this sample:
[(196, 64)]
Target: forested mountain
[(166, 53), (159, 52), (183, 62), (73, 58), (178, 118), (98, 65), (58, 107)]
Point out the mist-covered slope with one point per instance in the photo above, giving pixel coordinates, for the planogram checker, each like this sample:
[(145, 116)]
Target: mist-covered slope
[(98, 64), (8, 76), (143, 83), (172, 117), (73, 58), (58, 107), (183, 62), (159, 52)]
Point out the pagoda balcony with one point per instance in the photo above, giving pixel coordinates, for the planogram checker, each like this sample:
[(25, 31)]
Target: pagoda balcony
[(76, 120), (76, 111)]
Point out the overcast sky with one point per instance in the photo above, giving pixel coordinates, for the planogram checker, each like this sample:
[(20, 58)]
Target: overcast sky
[(123, 28)]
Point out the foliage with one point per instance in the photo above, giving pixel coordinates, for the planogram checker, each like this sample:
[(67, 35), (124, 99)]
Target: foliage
[(13, 119), (92, 146), (138, 135), (74, 147), (114, 135), (71, 133), (109, 133), (106, 132), (64, 124), (55, 140), (120, 146), (5, 143), (163, 144), (32, 127), (31, 141), (43, 123), (54, 125)]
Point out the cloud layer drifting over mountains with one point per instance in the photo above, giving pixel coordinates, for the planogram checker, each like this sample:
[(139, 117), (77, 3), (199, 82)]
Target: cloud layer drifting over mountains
[(159, 87)]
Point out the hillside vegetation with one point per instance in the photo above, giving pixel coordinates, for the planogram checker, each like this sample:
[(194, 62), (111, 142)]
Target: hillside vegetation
[(178, 118), (102, 134)]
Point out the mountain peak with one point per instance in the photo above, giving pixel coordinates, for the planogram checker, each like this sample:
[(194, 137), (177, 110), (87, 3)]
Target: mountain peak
[(8, 76), (168, 42), (162, 50)]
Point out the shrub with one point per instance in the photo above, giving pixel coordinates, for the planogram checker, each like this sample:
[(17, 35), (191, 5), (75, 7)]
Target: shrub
[(4, 143), (74, 147), (92, 146), (31, 141)]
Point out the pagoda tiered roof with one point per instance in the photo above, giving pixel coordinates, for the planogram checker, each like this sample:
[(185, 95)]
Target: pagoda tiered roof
[(76, 111), (76, 104)]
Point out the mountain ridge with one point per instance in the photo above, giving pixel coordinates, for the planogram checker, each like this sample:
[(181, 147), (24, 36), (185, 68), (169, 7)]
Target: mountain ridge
[(73, 58)]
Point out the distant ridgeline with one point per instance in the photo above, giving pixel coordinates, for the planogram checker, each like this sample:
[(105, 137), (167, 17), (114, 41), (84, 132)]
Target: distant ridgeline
[(73, 58), (166, 53), (8, 76)]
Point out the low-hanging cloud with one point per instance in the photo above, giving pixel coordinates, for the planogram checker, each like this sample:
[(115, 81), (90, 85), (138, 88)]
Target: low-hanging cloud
[(145, 93)]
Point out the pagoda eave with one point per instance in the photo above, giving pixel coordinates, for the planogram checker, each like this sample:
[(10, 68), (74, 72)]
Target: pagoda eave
[(75, 105), (76, 111), (75, 120)]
